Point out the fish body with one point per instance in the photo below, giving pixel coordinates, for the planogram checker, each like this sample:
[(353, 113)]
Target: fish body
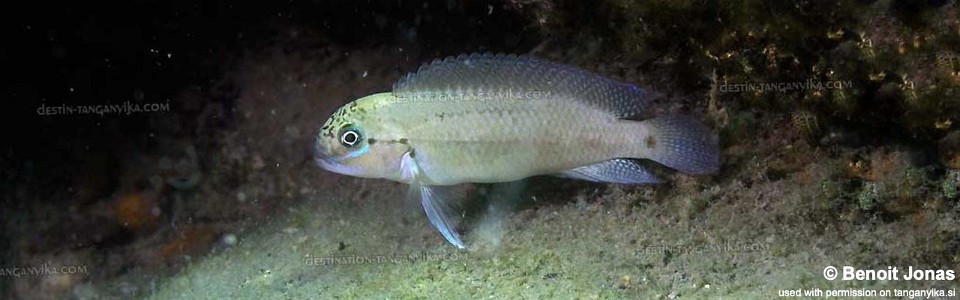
[(485, 118)]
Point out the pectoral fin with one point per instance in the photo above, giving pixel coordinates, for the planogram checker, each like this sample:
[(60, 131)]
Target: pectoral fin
[(621, 170), (436, 201)]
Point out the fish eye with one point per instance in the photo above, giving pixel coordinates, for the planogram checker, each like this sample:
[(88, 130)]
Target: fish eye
[(349, 137)]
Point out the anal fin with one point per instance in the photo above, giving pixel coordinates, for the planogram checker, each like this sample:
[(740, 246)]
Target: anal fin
[(620, 170)]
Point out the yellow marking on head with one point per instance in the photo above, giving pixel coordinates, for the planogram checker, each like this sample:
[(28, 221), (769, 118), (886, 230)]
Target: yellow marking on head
[(372, 152), (354, 111)]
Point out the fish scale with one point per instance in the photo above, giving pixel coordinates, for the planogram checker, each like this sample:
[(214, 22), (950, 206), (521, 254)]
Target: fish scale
[(512, 130), (524, 74), (485, 118)]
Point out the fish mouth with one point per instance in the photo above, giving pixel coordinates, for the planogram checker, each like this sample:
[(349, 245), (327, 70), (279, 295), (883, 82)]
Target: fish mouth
[(332, 163), (322, 159), (325, 162)]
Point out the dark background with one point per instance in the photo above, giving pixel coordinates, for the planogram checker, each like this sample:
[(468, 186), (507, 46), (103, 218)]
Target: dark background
[(93, 53)]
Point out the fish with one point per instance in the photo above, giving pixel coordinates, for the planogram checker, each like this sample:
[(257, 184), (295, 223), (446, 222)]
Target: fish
[(493, 118)]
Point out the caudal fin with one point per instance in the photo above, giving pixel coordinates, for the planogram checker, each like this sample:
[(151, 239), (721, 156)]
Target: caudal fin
[(682, 143)]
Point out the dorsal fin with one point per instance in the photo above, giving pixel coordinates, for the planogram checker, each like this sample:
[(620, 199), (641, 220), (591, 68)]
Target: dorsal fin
[(500, 72)]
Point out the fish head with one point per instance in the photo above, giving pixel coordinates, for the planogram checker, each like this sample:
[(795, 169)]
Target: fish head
[(349, 142)]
